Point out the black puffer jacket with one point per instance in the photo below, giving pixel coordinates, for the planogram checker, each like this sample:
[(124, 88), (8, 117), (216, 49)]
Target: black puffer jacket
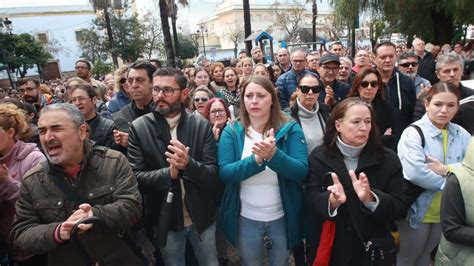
[(148, 140), (101, 131)]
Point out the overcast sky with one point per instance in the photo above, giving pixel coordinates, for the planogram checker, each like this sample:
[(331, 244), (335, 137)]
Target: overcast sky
[(189, 16)]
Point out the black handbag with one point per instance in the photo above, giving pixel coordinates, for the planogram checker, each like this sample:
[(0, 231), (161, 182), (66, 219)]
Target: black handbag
[(380, 251)]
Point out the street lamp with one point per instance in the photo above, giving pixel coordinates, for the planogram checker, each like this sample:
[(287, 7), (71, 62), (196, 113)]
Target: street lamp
[(5, 24), (202, 31)]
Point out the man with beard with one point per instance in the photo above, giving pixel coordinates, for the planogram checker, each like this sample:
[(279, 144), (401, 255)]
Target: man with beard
[(408, 65), (173, 151), (101, 184), (29, 89), (139, 79)]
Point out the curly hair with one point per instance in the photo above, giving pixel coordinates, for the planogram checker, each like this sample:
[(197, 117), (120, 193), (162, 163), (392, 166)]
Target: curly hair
[(13, 117)]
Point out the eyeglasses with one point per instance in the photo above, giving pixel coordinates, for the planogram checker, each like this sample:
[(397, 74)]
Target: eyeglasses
[(315, 89), (217, 111), (374, 83), (330, 69), (27, 89), (409, 64), (203, 99), (80, 99), (167, 91)]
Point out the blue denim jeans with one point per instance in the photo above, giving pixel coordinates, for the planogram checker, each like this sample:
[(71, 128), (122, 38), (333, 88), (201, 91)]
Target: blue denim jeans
[(252, 246), (204, 246)]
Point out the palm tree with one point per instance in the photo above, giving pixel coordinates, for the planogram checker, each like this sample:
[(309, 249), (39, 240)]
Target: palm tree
[(104, 5), (165, 12)]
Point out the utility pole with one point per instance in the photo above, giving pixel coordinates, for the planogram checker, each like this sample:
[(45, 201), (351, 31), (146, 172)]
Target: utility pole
[(247, 25), (315, 15)]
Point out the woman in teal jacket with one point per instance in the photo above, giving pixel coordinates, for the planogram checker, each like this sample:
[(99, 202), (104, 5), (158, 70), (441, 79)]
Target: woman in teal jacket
[(263, 161)]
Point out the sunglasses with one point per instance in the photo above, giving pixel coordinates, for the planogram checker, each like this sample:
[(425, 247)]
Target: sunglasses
[(201, 99), (408, 64), (373, 84), (315, 89)]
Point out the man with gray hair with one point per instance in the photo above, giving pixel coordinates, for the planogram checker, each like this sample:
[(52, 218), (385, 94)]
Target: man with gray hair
[(426, 61), (345, 70), (78, 181), (288, 82), (408, 65)]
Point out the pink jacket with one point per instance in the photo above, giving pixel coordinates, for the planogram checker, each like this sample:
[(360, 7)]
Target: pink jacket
[(21, 158)]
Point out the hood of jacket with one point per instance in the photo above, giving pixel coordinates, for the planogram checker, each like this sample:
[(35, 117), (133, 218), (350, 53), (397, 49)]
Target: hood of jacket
[(19, 152)]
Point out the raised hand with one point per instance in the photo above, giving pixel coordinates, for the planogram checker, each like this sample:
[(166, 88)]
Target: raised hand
[(216, 130), (121, 138), (361, 186), (329, 99), (337, 196)]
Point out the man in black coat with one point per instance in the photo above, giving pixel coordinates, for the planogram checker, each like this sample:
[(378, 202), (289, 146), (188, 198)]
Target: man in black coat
[(399, 88), (173, 151)]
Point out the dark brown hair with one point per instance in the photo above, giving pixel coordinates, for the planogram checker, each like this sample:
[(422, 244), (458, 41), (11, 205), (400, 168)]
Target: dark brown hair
[(277, 117), (443, 87), (360, 76), (339, 112)]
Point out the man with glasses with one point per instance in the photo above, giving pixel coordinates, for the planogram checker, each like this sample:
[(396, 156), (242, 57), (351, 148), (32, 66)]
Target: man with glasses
[(408, 65), (140, 77), (312, 62), (283, 60), (287, 82), (334, 90), (172, 151), (31, 94), (84, 71), (361, 60), (100, 129)]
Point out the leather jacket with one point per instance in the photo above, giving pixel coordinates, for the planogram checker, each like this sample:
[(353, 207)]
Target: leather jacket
[(148, 140)]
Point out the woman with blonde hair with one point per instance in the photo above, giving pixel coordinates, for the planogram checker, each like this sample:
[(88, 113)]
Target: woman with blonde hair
[(122, 94)]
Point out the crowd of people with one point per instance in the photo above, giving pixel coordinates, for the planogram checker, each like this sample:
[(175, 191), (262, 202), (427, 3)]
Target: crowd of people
[(317, 158)]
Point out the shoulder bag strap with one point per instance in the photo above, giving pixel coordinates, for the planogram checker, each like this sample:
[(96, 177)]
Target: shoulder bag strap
[(422, 136)]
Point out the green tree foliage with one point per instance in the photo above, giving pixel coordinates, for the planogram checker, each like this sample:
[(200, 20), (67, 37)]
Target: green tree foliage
[(345, 13), (22, 52), (127, 35), (433, 20), (92, 45), (187, 48)]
